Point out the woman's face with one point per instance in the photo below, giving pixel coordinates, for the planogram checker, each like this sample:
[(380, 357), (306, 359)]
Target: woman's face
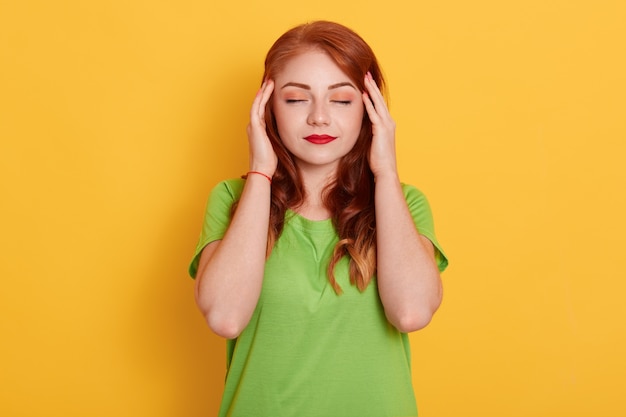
[(318, 110)]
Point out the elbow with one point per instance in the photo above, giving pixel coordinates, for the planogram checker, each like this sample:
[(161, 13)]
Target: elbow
[(408, 323), (415, 318), (226, 327), (222, 323)]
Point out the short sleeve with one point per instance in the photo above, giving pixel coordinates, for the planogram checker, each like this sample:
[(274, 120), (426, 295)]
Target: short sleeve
[(216, 216), (423, 219)]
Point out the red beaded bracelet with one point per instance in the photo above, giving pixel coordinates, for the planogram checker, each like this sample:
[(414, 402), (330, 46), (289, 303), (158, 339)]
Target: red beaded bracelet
[(260, 173)]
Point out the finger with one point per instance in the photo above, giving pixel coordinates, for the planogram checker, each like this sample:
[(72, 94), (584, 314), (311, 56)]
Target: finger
[(266, 92), (375, 95), (369, 107), (254, 109)]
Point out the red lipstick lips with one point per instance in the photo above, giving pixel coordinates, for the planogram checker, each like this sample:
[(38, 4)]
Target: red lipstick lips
[(320, 139)]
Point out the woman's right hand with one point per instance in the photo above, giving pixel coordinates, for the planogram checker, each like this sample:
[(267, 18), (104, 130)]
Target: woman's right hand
[(262, 155)]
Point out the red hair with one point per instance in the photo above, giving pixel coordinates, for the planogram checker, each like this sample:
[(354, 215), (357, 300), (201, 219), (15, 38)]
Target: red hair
[(350, 197)]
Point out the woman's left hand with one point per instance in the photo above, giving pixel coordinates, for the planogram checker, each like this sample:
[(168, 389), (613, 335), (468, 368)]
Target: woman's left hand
[(382, 156)]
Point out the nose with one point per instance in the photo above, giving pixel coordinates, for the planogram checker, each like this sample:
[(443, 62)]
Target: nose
[(318, 116)]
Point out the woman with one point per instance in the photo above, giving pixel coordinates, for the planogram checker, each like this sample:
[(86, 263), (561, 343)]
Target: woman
[(318, 263)]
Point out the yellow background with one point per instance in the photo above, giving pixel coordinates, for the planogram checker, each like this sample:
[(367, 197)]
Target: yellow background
[(118, 116)]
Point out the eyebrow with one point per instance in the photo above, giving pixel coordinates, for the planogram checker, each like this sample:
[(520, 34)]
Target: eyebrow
[(308, 87)]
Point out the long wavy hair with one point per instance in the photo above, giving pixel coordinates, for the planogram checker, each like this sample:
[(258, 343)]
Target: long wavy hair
[(350, 196)]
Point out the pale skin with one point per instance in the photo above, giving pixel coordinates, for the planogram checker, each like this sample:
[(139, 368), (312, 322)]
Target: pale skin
[(228, 285)]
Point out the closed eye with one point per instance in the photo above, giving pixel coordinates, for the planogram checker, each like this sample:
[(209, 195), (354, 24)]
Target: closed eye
[(343, 102), (290, 100)]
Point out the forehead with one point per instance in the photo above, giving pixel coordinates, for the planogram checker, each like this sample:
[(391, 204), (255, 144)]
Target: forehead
[(310, 67)]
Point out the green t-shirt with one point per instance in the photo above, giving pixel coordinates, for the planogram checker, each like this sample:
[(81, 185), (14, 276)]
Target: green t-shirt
[(307, 351)]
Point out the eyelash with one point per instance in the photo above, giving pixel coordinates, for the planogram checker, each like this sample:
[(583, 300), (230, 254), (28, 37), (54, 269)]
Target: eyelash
[(342, 102)]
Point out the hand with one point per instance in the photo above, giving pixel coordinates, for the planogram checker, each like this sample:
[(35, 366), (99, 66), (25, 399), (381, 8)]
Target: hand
[(382, 156), (262, 155)]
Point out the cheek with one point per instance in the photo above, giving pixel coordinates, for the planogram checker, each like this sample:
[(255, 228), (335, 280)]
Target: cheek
[(279, 116), (284, 124), (356, 117)]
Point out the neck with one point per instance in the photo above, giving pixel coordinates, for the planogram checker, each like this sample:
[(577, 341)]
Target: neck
[(315, 181)]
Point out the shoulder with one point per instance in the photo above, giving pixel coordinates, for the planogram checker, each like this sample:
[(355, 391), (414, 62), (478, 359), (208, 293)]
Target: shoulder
[(232, 186), (223, 195), (414, 196), (411, 190), (228, 190), (420, 210), (418, 206)]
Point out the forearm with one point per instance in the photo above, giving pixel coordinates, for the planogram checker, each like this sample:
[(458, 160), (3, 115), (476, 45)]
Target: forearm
[(230, 274), (408, 279)]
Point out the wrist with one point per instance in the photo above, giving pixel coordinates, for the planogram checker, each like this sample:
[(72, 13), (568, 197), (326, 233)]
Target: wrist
[(386, 176), (256, 173), (266, 168)]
